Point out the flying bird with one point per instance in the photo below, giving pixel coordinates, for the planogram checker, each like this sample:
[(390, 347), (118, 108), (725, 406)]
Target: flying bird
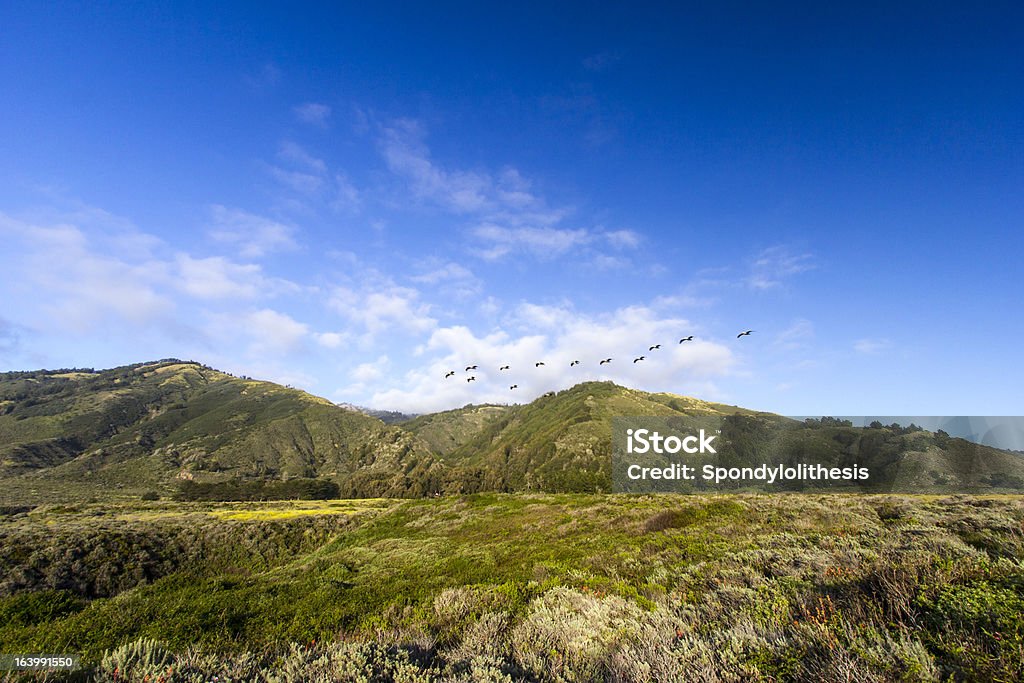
[(514, 386), (637, 360), (606, 360), (575, 362), (503, 367), (470, 367), (471, 379), (743, 334), (656, 346), (538, 364), (690, 338), (449, 374)]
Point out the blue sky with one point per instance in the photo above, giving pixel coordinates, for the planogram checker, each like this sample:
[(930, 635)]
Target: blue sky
[(355, 199)]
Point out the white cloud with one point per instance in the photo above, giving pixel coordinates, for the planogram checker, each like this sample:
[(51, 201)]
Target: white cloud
[(871, 346), (313, 113), (217, 278), (557, 336), (332, 340), (376, 310), (82, 282), (299, 181), (346, 196), (296, 154), (541, 242), (271, 331), (266, 77), (774, 265), (606, 262), (623, 238), (274, 330), (407, 156), (507, 216), (795, 336), (369, 372), (254, 236), (446, 273)]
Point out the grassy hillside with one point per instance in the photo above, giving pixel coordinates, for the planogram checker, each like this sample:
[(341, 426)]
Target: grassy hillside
[(562, 442), (448, 430), (175, 428), (148, 426), (559, 442), (524, 587)]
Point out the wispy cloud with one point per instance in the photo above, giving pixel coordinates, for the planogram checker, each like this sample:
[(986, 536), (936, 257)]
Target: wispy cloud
[(447, 272), (541, 242), (370, 371), (302, 182), (556, 336), (798, 335), (408, 157), (80, 283), (377, 309), (297, 154), (89, 280), (774, 265), (507, 216), (623, 239), (254, 236), (258, 334), (871, 346), (311, 182), (267, 76), (313, 113), (218, 278)]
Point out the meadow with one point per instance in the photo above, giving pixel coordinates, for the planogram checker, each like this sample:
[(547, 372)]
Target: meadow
[(510, 587)]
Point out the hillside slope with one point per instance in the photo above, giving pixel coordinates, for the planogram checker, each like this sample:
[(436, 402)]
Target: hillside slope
[(173, 427), (562, 442), (151, 424), (559, 442)]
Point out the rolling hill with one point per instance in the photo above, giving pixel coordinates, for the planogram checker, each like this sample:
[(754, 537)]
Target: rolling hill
[(150, 425), (171, 426)]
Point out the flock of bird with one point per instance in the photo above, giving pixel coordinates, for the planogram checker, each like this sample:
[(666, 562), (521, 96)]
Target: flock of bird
[(605, 361)]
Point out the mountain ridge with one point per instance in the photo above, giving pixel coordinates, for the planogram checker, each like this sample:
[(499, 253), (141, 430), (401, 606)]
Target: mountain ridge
[(149, 427)]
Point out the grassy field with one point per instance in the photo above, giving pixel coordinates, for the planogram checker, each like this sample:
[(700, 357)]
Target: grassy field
[(523, 587)]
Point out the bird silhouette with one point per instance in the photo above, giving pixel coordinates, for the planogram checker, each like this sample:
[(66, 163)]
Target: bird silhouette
[(471, 379), (449, 374), (656, 346), (514, 386), (743, 334), (690, 338), (575, 362), (637, 360), (503, 367), (538, 364), (470, 367), (606, 360)]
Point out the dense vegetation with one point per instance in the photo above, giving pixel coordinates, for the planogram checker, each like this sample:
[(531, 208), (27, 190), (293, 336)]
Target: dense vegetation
[(181, 429), (259, 489), (116, 542), (524, 587)]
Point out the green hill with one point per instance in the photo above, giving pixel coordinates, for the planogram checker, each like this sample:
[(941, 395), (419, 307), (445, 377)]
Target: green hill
[(563, 442), (153, 425), (173, 428)]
